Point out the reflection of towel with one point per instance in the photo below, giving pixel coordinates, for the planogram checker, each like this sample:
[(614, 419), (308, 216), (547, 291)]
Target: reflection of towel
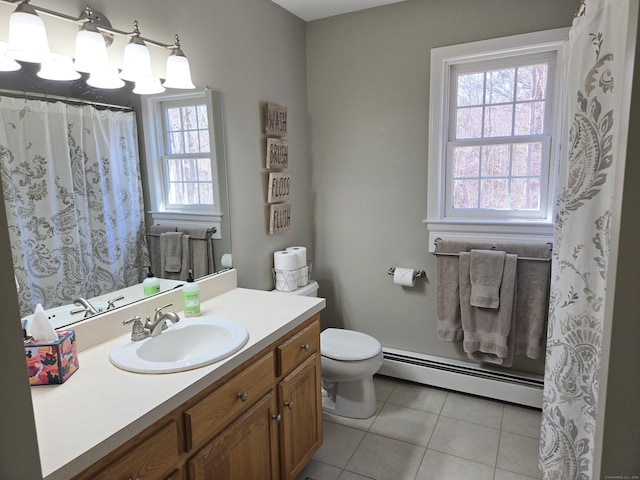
[(532, 296), (485, 272), (447, 289), (184, 260), (154, 247), (171, 251), (201, 250), (486, 331)]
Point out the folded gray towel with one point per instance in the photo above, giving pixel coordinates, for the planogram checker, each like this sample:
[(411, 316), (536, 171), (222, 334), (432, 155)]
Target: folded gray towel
[(171, 251), (201, 251), (154, 247), (485, 272), (532, 297), (447, 289), (486, 331)]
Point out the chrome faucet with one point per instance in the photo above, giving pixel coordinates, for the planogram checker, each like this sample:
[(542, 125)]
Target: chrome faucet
[(151, 328), (87, 308), (159, 322)]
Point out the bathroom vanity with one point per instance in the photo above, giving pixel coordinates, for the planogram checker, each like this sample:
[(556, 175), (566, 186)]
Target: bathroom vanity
[(256, 414)]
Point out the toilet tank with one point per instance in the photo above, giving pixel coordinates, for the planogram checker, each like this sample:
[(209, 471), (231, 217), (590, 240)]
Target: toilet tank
[(310, 290)]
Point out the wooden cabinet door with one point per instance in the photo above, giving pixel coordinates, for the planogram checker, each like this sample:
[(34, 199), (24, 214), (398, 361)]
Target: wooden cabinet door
[(300, 400), (247, 449)]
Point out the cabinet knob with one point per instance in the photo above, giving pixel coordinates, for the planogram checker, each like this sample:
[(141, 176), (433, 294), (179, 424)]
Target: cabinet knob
[(305, 347), (289, 405), (277, 418), (242, 396)]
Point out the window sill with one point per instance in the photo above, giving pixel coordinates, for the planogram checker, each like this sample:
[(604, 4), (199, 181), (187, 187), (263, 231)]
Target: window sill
[(189, 220), (489, 231)]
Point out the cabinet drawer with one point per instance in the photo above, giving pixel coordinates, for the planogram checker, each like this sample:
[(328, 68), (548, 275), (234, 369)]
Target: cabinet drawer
[(298, 348), (149, 459), (227, 402)]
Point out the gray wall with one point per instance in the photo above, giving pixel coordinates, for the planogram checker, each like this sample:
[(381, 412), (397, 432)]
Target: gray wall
[(368, 87)]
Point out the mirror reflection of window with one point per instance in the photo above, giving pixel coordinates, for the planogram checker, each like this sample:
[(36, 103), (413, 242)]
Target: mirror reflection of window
[(187, 154), (183, 139)]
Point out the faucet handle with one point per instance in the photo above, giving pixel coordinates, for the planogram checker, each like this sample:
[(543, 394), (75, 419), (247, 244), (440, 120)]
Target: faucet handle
[(138, 331), (111, 303), (159, 309)]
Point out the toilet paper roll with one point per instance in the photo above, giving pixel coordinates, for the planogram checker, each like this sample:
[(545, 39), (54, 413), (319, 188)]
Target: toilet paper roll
[(404, 277), (226, 261), (301, 252), (285, 261)]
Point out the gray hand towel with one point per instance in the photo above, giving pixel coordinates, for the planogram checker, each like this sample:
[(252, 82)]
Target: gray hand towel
[(171, 251), (154, 247), (486, 331), (485, 272)]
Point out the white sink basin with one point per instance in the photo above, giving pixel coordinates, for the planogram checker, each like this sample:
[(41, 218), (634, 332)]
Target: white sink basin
[(190, 343)]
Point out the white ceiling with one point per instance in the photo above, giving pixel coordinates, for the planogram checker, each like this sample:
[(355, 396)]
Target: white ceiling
[(314, 9)]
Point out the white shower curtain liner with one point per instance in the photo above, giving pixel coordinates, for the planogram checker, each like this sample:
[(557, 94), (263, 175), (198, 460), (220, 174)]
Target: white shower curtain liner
[(583, 240)]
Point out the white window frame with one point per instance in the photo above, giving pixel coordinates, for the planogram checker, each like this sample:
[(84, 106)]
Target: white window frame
[(153, 123), (473, 225)]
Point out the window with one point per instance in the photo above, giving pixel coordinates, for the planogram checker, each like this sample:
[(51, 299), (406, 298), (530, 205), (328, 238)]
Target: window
[(187, 154), (182, 150), (494, 136)]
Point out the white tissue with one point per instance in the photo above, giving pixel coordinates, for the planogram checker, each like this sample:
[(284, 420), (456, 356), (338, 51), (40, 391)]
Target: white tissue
[(41, 330), (404, 277)]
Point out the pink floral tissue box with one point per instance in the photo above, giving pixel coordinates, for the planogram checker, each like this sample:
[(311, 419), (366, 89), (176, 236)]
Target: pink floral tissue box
[(51, 363)]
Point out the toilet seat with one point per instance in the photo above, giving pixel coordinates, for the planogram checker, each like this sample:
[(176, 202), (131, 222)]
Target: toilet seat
[(347, 345)]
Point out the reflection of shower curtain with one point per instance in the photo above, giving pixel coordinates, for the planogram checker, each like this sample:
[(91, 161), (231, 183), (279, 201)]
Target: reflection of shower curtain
[(585, 231), (73, 196)]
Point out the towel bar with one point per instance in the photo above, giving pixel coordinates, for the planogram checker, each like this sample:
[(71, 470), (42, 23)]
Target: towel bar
[(210, 232), (534, 259)]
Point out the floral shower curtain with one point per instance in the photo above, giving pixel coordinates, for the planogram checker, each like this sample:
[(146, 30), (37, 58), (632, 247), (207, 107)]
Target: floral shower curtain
[(595, 93), (73, 195)]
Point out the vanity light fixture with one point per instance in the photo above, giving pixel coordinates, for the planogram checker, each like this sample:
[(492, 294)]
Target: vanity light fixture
[(27, 36), (137, 60), (28, 43)]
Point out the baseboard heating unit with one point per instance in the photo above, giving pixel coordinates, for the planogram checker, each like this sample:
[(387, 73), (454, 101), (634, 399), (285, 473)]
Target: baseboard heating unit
[(478, 379)]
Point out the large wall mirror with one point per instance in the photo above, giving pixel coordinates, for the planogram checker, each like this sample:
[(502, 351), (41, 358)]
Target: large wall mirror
[(19, 85)]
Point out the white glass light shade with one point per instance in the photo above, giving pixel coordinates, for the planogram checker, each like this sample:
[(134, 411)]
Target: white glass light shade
[(148, 86), (27, 35), (58, 67), (178, 72), (137, 61), (108, 79), (91, 51), (7, 64)]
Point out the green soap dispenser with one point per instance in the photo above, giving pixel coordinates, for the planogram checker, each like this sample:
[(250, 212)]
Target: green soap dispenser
[(191, 297), (151, 284)]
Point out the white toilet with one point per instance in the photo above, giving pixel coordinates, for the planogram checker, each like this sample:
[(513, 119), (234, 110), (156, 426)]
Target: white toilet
[(349, 361)]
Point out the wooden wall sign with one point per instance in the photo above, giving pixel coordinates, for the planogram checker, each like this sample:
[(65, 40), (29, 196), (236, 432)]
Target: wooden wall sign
[(279, 218), (277, 153), (275, 120), (279, 184)]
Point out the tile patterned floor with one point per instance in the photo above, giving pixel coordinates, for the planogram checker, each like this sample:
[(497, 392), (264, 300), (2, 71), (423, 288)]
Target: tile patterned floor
[(424, 433)]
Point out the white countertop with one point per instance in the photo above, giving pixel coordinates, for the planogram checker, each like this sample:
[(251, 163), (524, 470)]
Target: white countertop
[(100, 406)]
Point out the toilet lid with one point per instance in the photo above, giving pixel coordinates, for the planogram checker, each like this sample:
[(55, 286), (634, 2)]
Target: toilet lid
[(347, 345)]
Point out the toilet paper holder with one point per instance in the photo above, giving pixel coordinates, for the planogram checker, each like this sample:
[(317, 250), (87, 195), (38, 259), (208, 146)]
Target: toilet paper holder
[(416, 273)]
